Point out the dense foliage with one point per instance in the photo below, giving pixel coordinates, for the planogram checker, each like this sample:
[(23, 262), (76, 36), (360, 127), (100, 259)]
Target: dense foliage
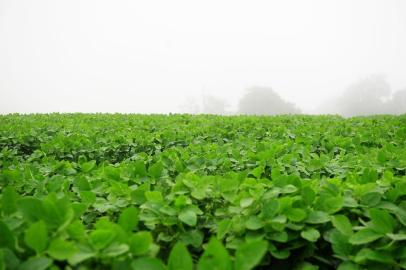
[(202, 192)]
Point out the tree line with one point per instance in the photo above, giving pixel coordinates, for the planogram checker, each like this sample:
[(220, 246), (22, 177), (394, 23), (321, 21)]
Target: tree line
[(368, 96)]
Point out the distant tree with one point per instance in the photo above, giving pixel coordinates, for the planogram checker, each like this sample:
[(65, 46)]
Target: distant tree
[(214, 105), (190, 105), (365, 97), (397, 105), (264, 101)]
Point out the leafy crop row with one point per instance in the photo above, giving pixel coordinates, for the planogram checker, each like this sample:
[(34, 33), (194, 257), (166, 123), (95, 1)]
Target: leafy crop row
[(102, 191)]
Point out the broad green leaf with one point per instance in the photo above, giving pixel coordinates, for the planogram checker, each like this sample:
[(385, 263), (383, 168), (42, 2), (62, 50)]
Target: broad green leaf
[(7, 238), (306, 266), (331, 204), (115, 249), (82, 184), (310, 234), (76, 230), (364, 236), (140, 243), (31, 208), (215, 257), (155, 170), (245, 202), (280, 254), (154, 196), (83, 253), (397, 237), (317, 217), (254, 223), (188, 216), (248, 255), (61, 249), (371, 199), (367, 254), (128, 219), (349, 266), (296, 214), (281, 237), (342, 223), (339, 243), (193, 237), (179, 258), (147, 263), (88, 166), (223, 228), (289, 189), (308, 195), (9, 200), (37, 263), (382, 221), (36, 236), (101, 238)]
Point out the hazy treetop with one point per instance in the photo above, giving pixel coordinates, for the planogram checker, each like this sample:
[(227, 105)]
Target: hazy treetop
[(261, 100)]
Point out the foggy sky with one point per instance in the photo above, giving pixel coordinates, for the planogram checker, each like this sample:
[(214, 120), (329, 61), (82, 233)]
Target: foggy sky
[(151, 56)]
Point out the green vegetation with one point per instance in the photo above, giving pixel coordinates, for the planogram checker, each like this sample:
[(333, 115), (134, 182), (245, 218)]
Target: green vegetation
[(186, 192)]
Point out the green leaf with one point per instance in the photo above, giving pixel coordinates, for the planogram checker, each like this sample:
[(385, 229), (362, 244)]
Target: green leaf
[(317, 217), (367, 254), (188, 216), (82, 184), (37, 263), (101, 238), (339, 243), (7, 238), (248, 255), (31, 208), (310, 234), (397, 237), (76, 230), (215, 257), (257, 172), (140, 243), (9, 200), (342, 223), (223, 227), (349, 266), (281, 237), (179, 258), (382, 221), (254, 223), (306, 266), (139, 168), (296, 214), (308, 195), (193, 237), (245, 202), (155, 170), (364, 236), (88, 166), (280, 254), (371, 199), (36, 236), (288, 189), (147, 264), (115, 249), (154, 196), (331, 204), (128, 219), (87, 197), (60, 249)]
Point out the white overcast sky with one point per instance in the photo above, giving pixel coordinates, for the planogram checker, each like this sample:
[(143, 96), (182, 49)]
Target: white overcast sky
[(150, 56)]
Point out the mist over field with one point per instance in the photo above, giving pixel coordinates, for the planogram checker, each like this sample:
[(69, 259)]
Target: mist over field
[(220, 57)]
